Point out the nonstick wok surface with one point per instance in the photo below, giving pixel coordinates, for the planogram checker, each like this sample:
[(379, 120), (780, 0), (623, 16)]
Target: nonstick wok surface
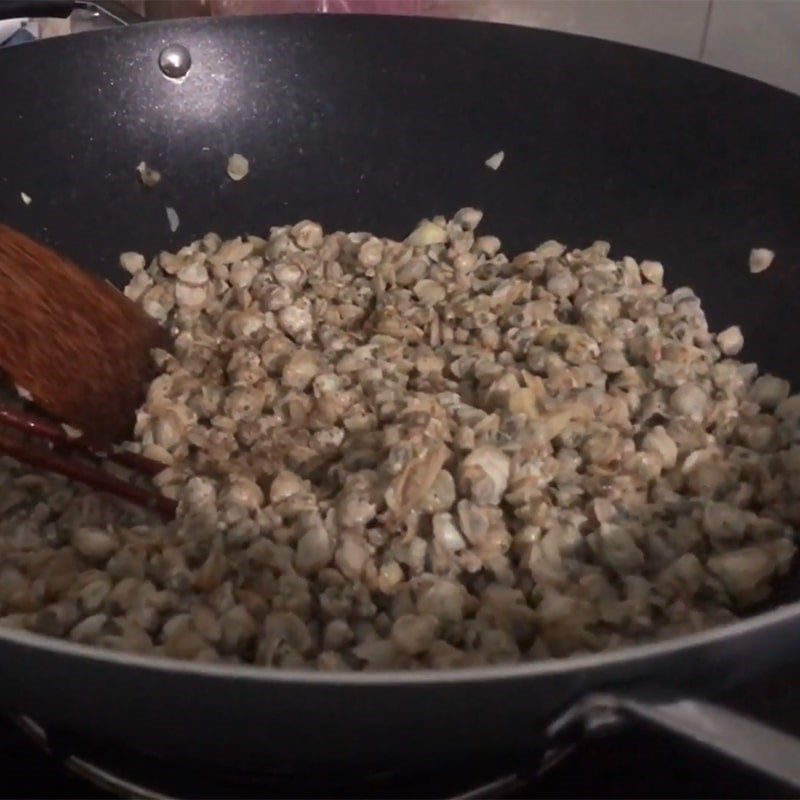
[(373, 123)]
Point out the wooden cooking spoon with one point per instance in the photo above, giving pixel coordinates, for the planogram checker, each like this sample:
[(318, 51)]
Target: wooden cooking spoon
[(76, 344)]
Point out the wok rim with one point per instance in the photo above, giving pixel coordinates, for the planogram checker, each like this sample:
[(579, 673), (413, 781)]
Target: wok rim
[(199, 24), (648, 651)]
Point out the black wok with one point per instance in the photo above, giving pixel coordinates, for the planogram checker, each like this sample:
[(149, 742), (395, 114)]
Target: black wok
[(373, 123)]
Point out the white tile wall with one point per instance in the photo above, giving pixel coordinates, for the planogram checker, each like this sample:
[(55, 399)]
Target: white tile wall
[(673, 26), (760, 38)]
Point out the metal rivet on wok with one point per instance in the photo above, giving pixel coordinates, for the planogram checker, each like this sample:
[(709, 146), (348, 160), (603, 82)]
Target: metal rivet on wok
[(175, 61)]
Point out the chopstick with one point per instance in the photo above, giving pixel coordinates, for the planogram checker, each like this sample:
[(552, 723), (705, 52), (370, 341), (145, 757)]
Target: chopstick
[(50, 460)]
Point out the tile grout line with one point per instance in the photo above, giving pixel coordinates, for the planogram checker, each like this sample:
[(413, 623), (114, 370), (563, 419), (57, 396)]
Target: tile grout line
[(706, 27)]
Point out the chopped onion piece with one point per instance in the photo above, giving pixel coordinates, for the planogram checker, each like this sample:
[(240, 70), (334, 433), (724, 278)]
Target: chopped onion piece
[(72, 433), (427, 233), (760, 259), (173, 219), (238, 167), (147, 175), (496, 160)]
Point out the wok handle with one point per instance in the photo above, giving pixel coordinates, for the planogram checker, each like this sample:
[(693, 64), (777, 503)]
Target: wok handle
[(14, 9), (727, 733)]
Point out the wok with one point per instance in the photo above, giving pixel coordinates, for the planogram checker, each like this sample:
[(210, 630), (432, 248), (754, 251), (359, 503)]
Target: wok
[(372, 124)]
